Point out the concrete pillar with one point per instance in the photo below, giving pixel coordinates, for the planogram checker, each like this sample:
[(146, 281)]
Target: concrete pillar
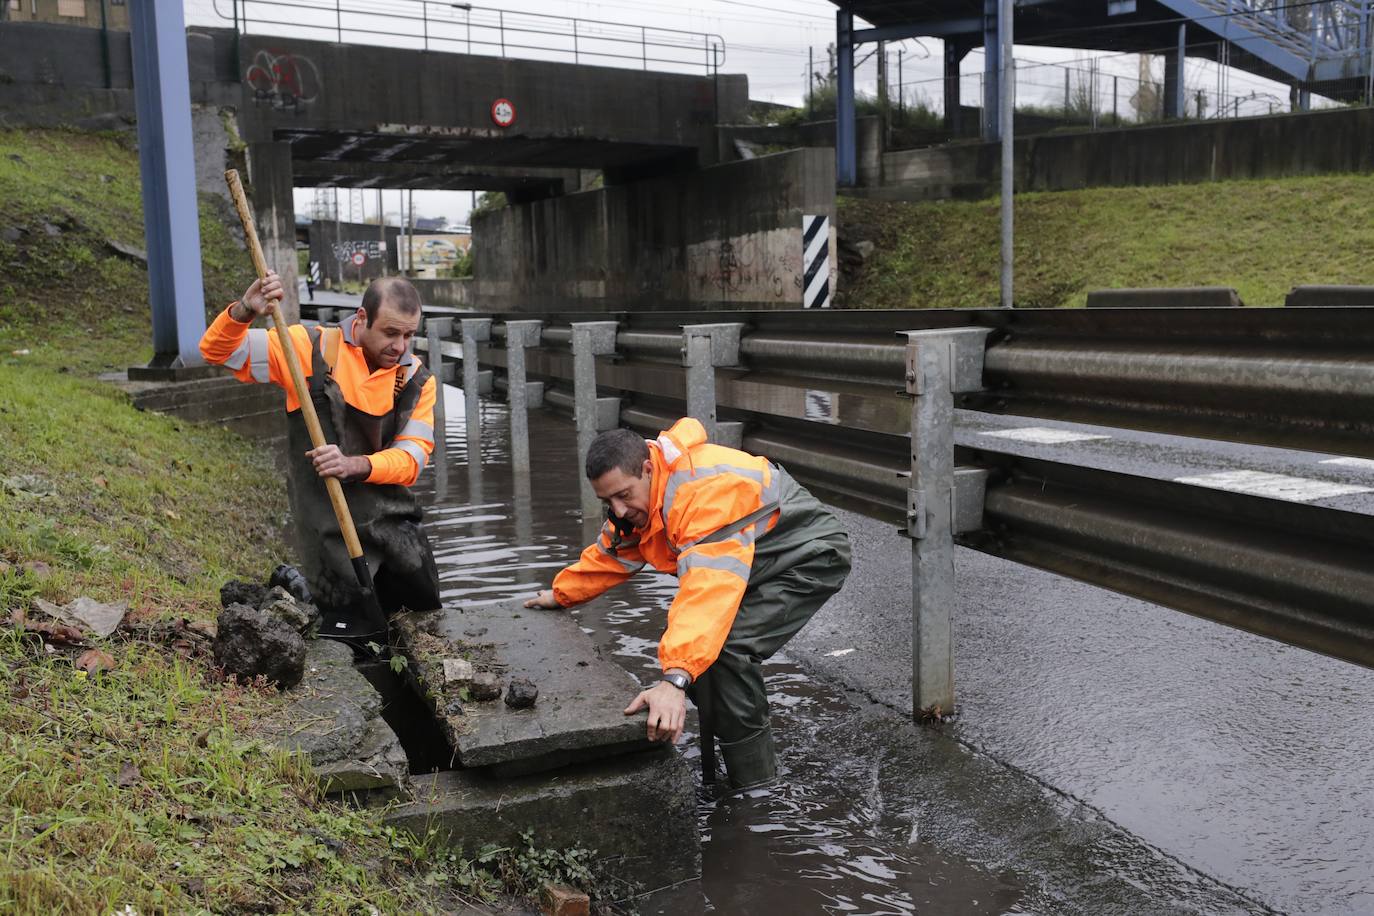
[(519, 335), (846, 152), (992, 70), (938, 364), (269, 190), (705, 347), (954, 53), (591, 339), (436, 329), (171, 219), (475, 331)]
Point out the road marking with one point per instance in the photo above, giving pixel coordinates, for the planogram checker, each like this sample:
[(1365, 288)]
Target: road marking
[(1274, 486), (839, 652), (1043, 435), (1364, 464)]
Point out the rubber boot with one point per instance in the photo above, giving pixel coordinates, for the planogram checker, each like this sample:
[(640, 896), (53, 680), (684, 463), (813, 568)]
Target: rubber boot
[(750, 762)]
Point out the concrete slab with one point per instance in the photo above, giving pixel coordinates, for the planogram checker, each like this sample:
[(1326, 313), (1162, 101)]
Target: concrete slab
[(335, 718), (578, 715), (1165, 298), (638, 812)]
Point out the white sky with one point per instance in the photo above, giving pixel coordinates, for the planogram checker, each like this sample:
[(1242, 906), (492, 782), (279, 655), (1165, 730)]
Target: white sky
[(768, 40)]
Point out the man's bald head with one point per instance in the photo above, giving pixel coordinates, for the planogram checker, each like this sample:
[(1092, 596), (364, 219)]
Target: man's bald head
[(397, 291)]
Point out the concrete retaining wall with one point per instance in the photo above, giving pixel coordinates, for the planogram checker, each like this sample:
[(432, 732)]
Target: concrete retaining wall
[(727, 236), (457, 293), (1311, 143)]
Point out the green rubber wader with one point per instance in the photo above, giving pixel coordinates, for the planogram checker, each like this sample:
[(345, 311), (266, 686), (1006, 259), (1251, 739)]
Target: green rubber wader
[(387, 516), (797, 567)]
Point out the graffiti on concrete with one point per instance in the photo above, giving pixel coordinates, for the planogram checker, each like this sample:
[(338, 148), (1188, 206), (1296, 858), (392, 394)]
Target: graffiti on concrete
[(344, 250), (285, 81), (751, 266)]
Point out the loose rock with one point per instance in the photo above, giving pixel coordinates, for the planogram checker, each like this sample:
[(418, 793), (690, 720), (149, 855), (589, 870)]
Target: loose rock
[(458, 670), (280, 604), (521, 694), (485, 686), (251, 643), (235, 592)]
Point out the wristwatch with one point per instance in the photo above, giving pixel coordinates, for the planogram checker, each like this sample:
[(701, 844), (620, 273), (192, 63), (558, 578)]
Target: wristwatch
[(678, 680)]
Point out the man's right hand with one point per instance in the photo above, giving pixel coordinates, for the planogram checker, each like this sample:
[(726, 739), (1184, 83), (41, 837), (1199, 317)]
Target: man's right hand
[(258, 299), (545, 600)]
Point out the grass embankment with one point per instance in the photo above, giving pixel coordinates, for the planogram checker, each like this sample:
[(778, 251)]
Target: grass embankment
[(1261, 237), (144, 786)]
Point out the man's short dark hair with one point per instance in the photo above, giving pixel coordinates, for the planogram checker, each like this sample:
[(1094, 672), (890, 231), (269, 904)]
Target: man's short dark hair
[(617, 448), (399, 291)]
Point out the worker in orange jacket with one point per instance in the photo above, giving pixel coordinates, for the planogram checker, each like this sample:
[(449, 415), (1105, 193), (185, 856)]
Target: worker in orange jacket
[(756, 556), (375, 402)]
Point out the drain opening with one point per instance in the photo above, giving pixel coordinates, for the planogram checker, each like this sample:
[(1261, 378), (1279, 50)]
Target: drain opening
[(411, 718)]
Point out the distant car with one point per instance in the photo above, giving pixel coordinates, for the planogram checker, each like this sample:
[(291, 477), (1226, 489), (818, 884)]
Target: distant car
[(437, 251)]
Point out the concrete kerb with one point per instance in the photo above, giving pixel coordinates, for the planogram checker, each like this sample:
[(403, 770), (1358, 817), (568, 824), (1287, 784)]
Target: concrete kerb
[(939, 364), (1165, 298)]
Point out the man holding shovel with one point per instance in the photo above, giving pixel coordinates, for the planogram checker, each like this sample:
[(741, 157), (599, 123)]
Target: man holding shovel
[(755, 554), (375, 403)]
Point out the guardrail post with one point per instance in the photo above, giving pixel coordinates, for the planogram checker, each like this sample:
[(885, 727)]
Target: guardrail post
[(475, 331), (591, 339), (519, 335), (436, 329), (938, 364), (326, 315), (704, 347)]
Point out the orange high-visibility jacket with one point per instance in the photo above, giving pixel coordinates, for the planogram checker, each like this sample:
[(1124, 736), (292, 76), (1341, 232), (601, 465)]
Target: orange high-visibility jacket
[(255, 355), (700, 496)]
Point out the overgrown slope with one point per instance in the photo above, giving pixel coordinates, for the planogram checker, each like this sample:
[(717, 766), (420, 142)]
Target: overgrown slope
[(1261, 237), (142, 788)]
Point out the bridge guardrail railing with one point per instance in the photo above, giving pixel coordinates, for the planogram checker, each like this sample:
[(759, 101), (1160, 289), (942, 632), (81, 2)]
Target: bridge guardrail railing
[(831, 397), (437, 25)]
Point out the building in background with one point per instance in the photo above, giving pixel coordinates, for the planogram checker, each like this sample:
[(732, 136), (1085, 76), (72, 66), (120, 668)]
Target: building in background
[(113, 14)]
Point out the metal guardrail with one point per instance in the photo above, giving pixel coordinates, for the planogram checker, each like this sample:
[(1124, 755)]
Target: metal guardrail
[(464, 27), (828, 396)]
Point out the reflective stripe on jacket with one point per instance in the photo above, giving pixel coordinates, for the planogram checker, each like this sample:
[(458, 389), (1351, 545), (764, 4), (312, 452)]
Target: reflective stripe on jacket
[(255, 355), (700, 529)]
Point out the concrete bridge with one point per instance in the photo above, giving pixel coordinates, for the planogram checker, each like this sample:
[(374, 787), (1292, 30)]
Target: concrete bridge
[(291, 112)]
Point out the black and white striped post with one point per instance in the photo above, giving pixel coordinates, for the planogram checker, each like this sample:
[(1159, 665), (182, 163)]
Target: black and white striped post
[(815, 262)]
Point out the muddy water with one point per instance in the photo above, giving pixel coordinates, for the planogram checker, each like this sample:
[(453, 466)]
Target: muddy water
[(830, 839)]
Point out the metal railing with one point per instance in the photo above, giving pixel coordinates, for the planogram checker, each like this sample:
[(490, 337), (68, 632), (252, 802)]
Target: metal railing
[(831, 395), (466, 28)]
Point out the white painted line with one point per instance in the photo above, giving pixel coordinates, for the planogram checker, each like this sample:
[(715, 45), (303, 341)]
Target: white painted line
[(1364, 464), (838, 652), (1274, 486), (1043, 435)]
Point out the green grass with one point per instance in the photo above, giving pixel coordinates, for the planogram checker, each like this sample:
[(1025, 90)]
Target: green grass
[(1261, 237), (147, 786)]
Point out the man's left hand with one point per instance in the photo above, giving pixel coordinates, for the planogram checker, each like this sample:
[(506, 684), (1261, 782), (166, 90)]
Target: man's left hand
[(330, 462), (667, 711)]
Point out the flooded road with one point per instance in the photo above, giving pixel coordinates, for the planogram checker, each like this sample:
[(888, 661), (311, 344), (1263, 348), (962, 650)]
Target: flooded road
[(873, 814)]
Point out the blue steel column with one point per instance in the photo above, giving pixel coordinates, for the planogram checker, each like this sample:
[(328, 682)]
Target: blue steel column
[(846, 156), (162, 94), (992, 69)]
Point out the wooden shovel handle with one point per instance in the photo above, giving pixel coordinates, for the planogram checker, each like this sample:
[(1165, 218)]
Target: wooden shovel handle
[(293, 363)]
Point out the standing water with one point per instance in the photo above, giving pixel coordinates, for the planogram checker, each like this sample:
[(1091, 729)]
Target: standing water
[(872, 814)]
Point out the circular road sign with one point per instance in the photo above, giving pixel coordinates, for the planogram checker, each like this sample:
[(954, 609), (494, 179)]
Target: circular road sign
[(503, 112), (359, 258)]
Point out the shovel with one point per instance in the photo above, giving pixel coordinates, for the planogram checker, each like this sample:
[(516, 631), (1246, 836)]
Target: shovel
[(365, 609)]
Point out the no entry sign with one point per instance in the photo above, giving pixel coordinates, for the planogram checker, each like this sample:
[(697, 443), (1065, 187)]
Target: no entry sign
[(503, 112)]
